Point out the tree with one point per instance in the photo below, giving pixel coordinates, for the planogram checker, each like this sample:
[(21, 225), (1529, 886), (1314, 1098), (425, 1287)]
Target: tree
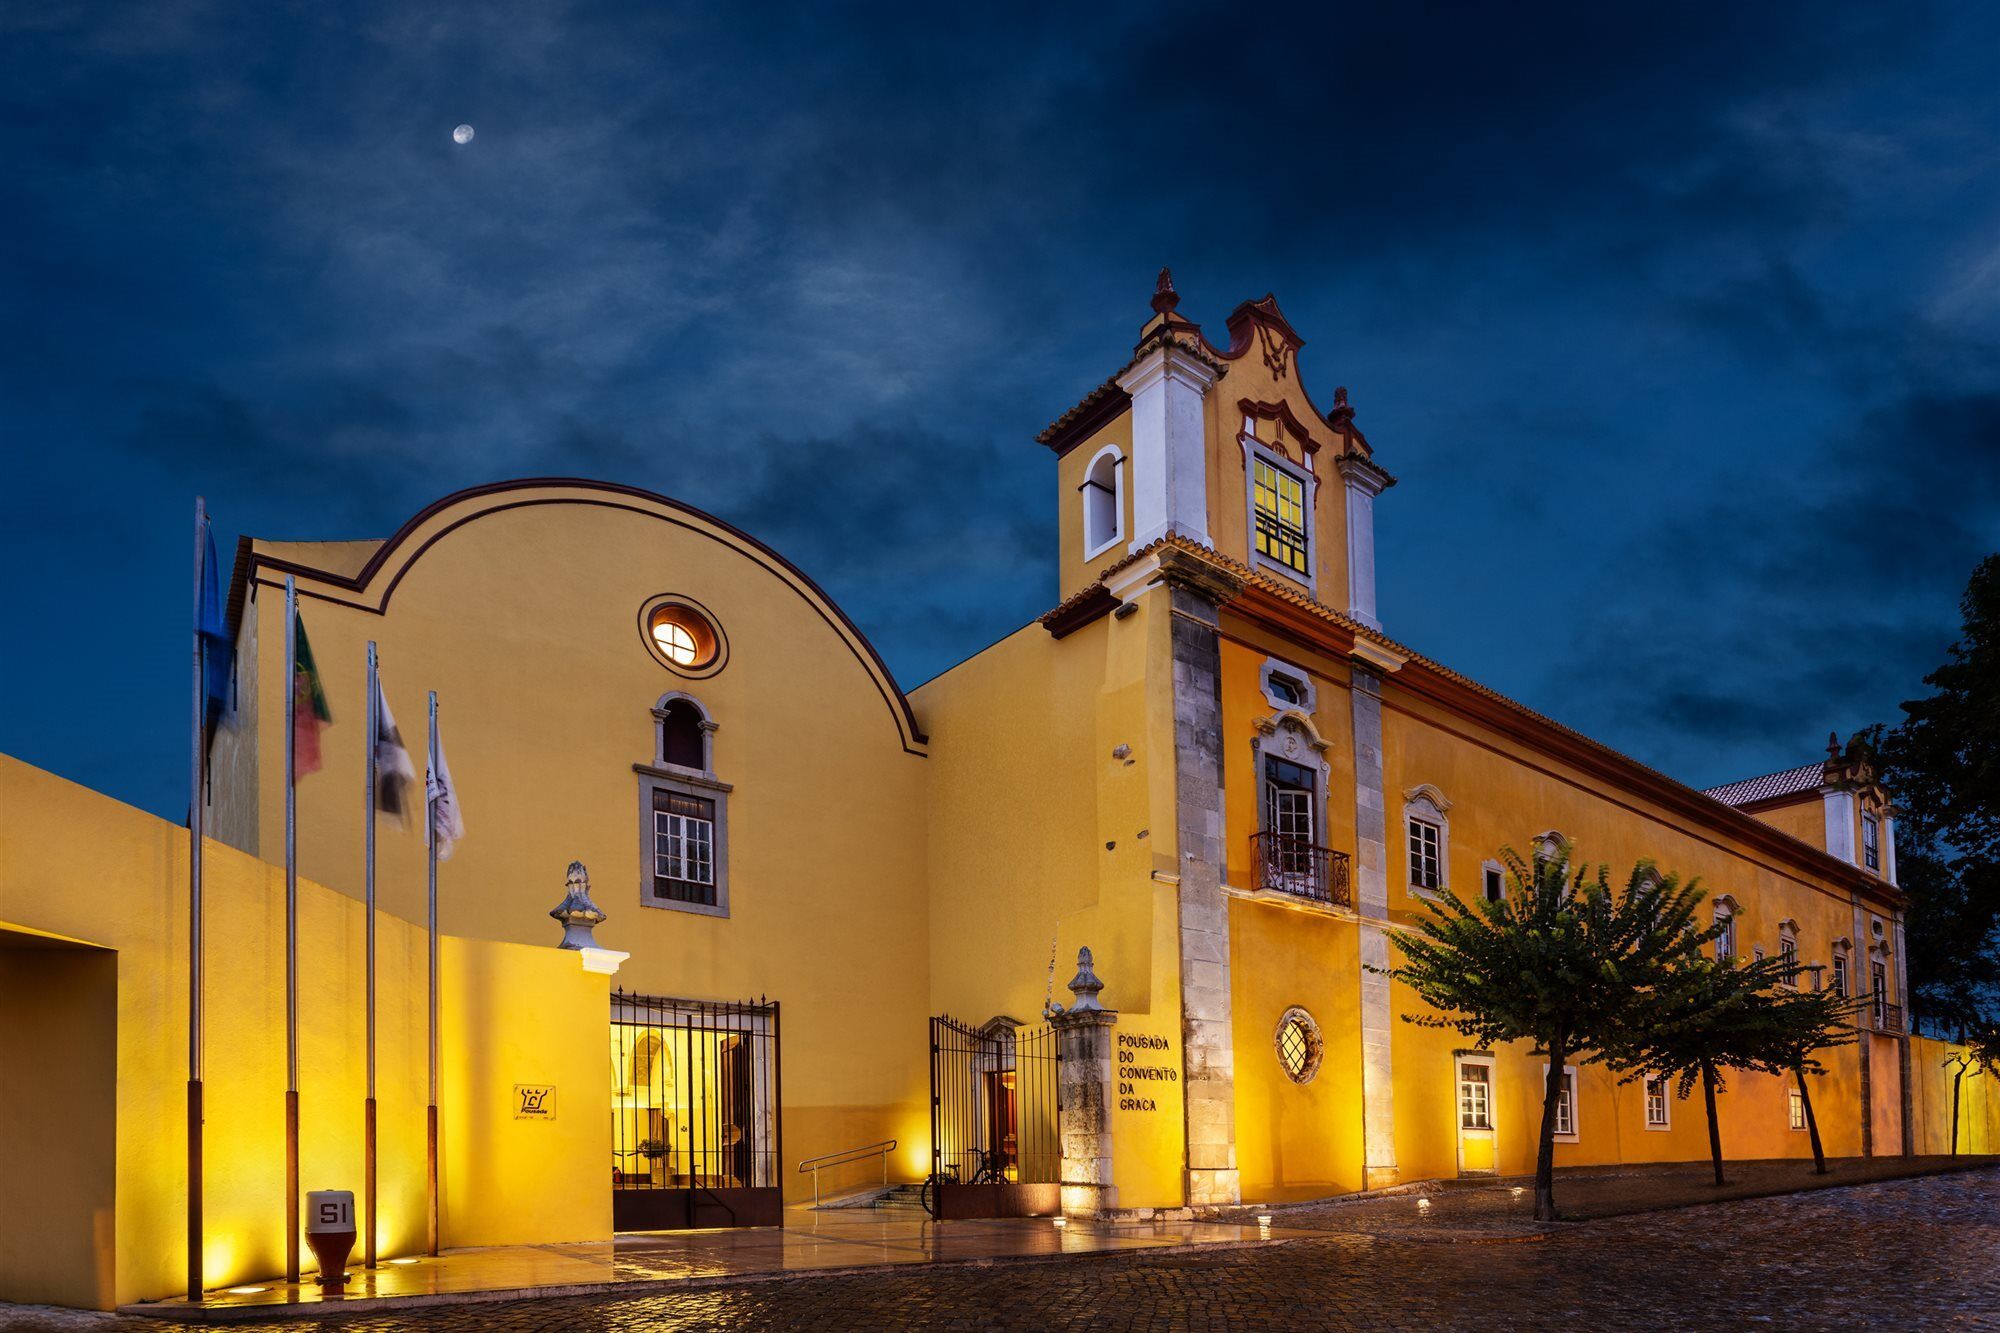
[(1695, 1025), (1942, 764), (1561, 961), (1786, 1030), (1985, 1044)]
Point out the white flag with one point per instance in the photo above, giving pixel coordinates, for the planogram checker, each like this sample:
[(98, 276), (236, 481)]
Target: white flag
[(393, 770), (447, 824)]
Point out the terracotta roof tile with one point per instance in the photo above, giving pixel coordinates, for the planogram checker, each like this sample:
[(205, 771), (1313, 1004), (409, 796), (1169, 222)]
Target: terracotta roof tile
[(1772, 785)]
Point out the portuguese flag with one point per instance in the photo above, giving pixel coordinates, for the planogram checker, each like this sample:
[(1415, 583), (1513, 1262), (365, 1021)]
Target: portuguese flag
[(309, 710)]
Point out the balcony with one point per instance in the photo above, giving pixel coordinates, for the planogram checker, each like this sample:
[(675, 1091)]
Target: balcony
[(1889, 1019), (1297, 867)]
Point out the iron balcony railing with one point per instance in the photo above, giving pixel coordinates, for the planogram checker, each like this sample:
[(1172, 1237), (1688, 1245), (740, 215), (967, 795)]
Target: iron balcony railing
[(1297, 867), (1889, 1018)]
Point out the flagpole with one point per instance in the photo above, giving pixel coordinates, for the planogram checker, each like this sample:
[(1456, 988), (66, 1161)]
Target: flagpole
[(431, 1112), (199, 767), (291, 931), (368, 1107)]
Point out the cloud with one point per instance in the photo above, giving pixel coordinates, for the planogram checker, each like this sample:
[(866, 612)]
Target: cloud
[(1792, 604)]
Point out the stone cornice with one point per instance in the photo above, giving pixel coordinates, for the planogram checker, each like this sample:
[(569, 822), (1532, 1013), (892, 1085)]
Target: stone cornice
[(1362, 474)]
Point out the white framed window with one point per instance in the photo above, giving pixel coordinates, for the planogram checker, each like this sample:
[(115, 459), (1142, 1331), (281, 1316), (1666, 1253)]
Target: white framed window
[(1797, 1109), (1280, 517), (685, 841), (1103, 499), (1427, 838), (1840, 982), (1291, 798), (1725, 917), (1878, 988), (1788, 951), (1475, 1094), (1566, 1109), (1659, 1104), (1493, 881), (683, 813), (1426, 865), (1871, 842)]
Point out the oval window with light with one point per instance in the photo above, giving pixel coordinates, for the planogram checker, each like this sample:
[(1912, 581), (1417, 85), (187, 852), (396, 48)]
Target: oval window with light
[(1299, 1045), (682, 635)]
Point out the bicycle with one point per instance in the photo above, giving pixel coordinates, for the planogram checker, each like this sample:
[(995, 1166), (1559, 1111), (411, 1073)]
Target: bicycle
[(985, 1171)]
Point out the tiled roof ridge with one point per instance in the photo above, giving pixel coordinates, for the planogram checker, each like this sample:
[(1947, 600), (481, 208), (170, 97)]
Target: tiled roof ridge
[(1767, 786)]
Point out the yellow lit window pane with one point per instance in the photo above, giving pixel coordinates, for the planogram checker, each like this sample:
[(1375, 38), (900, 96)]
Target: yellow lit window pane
[(675, 642), (1279, 499)]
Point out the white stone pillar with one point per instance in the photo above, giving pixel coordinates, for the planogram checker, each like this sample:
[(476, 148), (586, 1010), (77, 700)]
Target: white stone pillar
[(1084, 1076), (1371, 900), (1169, 444), (1839, 823), (1364, 481), (1889, 857)]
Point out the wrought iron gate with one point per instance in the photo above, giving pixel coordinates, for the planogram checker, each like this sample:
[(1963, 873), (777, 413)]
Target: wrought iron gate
[(996, 1149), (694, 1114)]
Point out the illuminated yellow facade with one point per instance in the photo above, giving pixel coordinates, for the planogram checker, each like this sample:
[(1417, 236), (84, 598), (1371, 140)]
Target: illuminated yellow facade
[(1208, 764)]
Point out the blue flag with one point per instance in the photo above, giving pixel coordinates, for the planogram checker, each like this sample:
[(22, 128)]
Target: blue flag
[(218, 660)]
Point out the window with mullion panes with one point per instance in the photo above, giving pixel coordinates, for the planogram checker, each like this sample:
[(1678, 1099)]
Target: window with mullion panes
[(1279, 501), (1475, 1103), (684, 847), (1425, 870)]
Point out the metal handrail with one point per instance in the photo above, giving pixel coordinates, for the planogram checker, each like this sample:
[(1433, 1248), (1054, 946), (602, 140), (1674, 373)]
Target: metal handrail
[(845, 1157)]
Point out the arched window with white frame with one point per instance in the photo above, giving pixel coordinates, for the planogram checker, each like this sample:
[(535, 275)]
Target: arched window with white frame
[(1725, 918), (1428, 834), (1103, 496)]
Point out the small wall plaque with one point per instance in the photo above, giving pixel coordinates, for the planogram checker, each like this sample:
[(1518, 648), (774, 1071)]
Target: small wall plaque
[(534, 1101)]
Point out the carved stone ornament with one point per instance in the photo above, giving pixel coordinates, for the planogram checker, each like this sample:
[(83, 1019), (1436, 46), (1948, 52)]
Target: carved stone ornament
[(1084, 985), (579, 916)]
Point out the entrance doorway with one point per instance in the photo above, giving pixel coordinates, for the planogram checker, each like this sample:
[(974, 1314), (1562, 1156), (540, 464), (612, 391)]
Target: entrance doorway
[(995, 1146), (1478, 1152), (694, 1114)]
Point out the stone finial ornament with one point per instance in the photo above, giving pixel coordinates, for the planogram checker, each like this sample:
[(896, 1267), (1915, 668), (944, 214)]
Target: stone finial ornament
[(1165, 298), (1085, 985), (579, 915)]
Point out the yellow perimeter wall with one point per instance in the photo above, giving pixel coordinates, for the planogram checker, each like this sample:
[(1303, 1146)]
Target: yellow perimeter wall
[(110, 883), (1044, 839)]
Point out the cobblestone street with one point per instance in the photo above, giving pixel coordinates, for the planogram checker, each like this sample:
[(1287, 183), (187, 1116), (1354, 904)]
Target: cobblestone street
[(1922, 1252)]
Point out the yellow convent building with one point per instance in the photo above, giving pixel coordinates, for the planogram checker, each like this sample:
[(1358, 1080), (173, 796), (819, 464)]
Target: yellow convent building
[(839, 917)]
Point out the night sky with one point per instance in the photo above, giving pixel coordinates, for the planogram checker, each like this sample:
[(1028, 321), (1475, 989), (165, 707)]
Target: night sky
[(1678, 327)]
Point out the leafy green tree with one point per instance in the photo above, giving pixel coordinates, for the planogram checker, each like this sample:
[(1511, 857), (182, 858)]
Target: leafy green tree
[(1985, 1044), (1696, 1025), (1941, 763), (1786, 1029), (1562, 961), (1710, 1016)]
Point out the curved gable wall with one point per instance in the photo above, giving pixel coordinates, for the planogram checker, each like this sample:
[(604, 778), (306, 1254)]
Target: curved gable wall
[(519, 605)]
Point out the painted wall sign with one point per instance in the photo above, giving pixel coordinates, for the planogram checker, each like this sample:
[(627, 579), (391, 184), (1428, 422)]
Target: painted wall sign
[(534, 1101), (1135, 1079)]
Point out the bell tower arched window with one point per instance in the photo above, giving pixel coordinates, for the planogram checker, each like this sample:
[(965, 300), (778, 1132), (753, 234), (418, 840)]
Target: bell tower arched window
[(1103, 492)]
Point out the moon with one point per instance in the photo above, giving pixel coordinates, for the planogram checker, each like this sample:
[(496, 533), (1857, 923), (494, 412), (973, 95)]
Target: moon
[(463, 134)]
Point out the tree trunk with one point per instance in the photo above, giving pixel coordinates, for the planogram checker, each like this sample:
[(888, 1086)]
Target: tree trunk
[(1812, 1122), (1714, 1128), (1545, 1157), (1954, 1108)]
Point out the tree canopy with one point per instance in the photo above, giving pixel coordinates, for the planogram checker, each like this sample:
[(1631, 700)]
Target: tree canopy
[(1561, 960), (1942, 765)]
